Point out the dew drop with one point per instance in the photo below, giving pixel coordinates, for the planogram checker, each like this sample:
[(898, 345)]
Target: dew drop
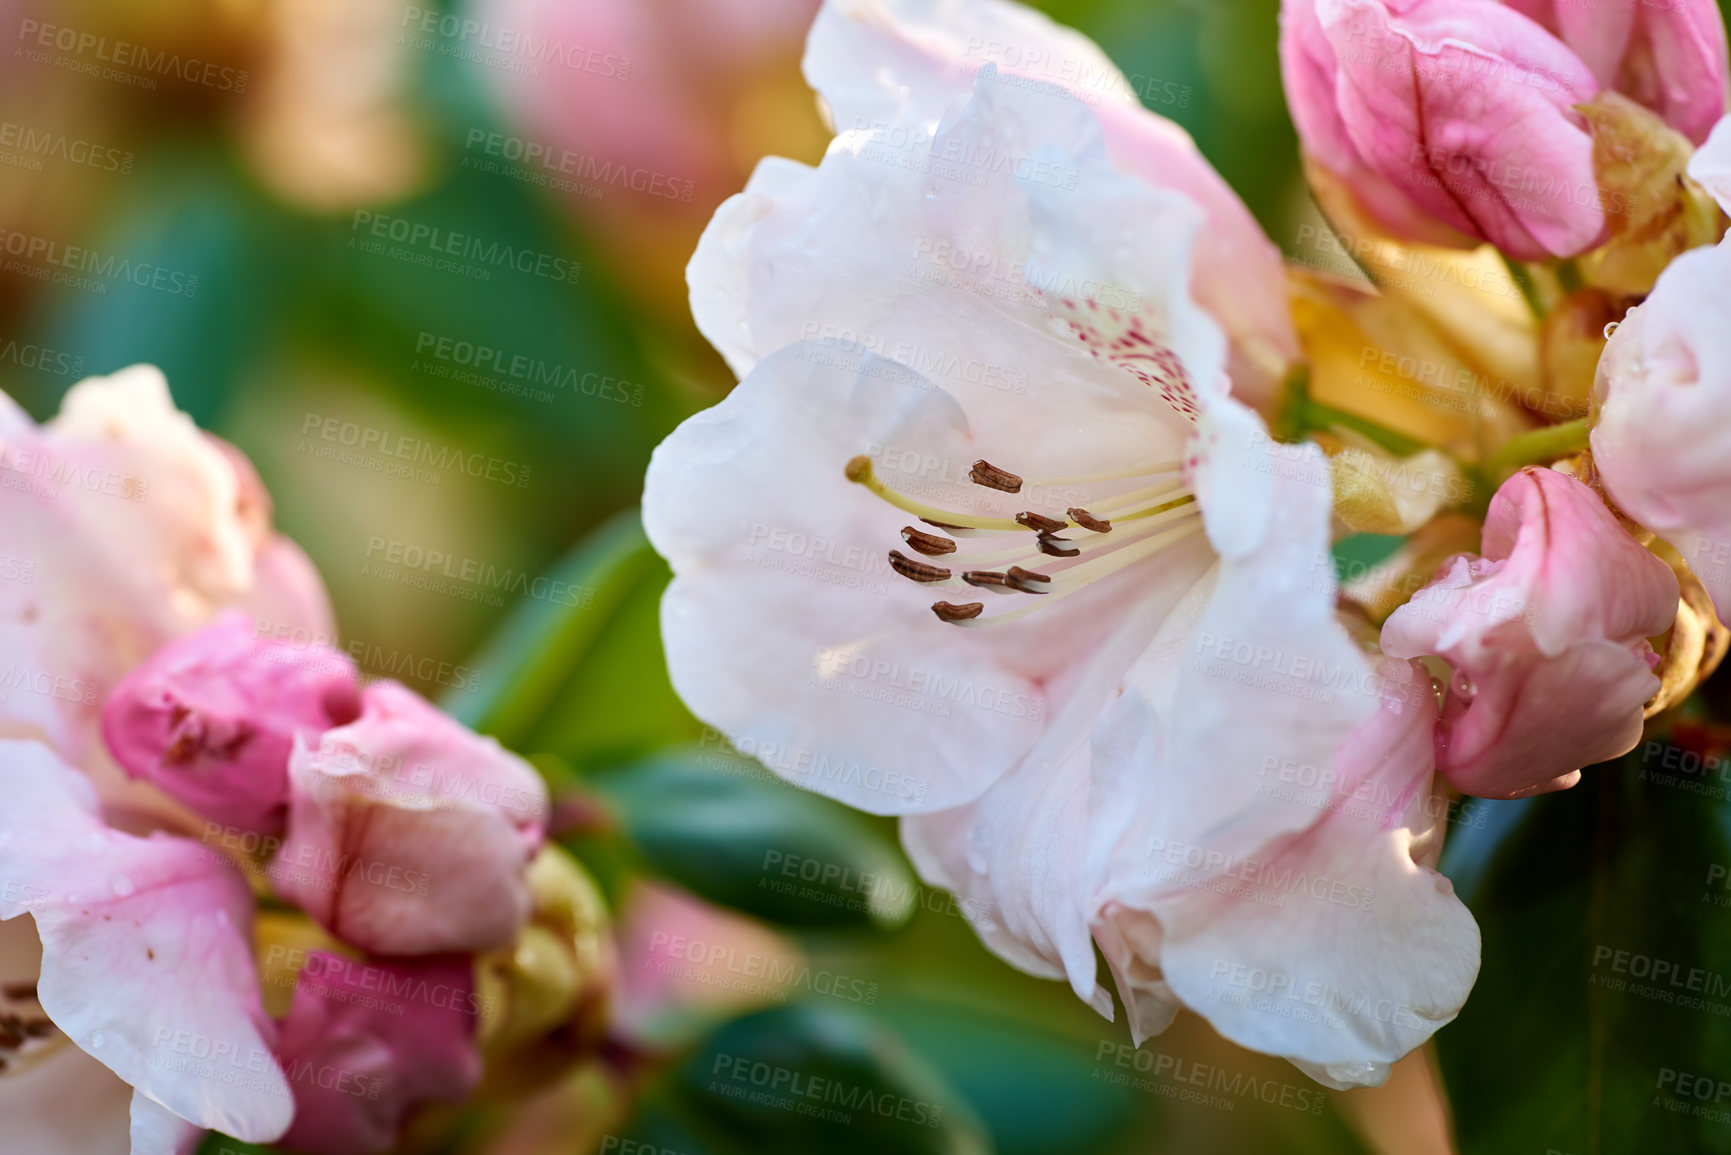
[(1611, 328), (1463, 686), (97, 1038), (932, 193), (122, 886)]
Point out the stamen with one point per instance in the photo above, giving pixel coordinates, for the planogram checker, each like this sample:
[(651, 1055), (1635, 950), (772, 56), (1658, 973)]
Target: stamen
[(859, 471), (917, 571), (1086, 574), (1152, 511), (1088, 521), (929, 544), (950, 612), (1040, 522), (1057, 546), (986, 474), (1154, 470), (987, 579), (1027, 580), (1136, 497)]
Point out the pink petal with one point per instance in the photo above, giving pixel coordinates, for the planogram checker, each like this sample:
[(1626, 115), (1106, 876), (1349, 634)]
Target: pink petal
[(366, 1044), (146, 958), (408, 834)]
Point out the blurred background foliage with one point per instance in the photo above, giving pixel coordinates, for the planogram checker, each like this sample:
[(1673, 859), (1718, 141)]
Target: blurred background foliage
[(296, 328)]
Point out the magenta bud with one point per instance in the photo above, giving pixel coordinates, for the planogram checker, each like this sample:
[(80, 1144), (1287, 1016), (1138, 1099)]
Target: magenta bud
[(212, 719)]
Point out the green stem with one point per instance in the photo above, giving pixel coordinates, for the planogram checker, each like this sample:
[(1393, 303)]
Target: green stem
[(1539, 447), (1523, 277), (1324, 417)]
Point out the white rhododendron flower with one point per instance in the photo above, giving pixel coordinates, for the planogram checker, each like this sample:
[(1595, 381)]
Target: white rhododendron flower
[(983, 539)]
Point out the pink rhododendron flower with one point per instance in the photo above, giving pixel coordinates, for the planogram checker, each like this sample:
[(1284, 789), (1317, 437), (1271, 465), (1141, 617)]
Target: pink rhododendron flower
[(1663, 398), (364, 1044), (1457, 111), (1669, 55), (1548, 636), (1059, 613), (131, 528), (213, 717), (438, 821)]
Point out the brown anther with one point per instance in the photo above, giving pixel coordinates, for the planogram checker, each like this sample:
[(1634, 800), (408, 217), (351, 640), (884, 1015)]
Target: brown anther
[(1027, 580), (917, 571), (942, 524), (950, 612), (18, 991), (1088, 521), (988, 578), (1040, 522), (1057, 546), (929, 544), (38, 1028), (986, 474)]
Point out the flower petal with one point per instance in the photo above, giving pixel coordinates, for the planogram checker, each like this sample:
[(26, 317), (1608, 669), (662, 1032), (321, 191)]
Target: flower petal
[(146, 962)]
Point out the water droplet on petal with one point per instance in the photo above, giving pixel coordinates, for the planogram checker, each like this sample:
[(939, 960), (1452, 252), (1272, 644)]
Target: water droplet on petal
[(122, 886), (97, 1038), (1611, 328), (1463, 686), (932, 193)]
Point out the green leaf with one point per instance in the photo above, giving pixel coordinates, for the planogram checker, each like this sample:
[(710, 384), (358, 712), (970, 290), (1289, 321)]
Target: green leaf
[(727, 830), (544, 641), (1605, 994), (807, 1079)]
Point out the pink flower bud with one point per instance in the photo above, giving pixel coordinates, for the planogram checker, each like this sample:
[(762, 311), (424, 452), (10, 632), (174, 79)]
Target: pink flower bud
[(365, 1043), (1664, 404), (1666, 54), (1547, 633), (212, 719), (409, 834), (1460, 111)]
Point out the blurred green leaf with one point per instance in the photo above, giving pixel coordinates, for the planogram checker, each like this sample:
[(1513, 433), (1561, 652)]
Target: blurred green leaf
[(543, 642), (805, 1079), (727, 830), (1606, 985)]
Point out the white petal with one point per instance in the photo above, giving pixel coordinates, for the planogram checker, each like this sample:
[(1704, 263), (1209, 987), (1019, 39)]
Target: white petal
[(1711, 164), (158, 1131)]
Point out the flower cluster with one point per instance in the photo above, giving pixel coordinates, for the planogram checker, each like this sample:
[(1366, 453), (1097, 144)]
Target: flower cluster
[(1109, 646), (236, 767)]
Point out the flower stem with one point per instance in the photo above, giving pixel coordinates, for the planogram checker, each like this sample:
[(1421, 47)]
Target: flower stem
[(1539, 447), (1523, 278)]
